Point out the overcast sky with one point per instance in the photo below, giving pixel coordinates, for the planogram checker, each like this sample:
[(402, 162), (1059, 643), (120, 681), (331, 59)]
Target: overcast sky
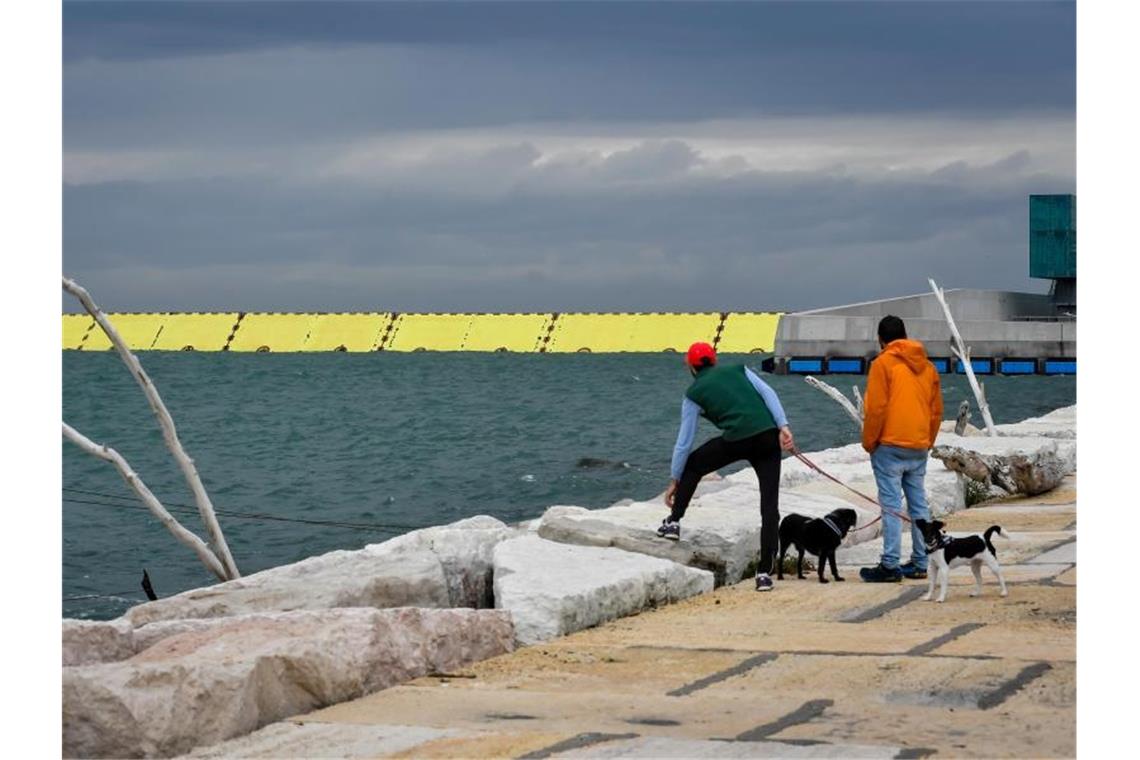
[(538, 156)]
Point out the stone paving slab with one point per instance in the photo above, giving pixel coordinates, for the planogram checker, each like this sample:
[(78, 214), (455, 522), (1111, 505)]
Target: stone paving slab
[(659, 747), (289, 739)]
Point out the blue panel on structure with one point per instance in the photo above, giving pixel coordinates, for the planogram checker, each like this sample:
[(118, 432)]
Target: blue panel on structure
[(805, 365), (980, 366), (1060, 366), (1018, 367), (838, 365), (941, 363)]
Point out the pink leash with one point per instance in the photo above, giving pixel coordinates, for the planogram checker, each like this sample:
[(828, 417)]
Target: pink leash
[(813, 466)]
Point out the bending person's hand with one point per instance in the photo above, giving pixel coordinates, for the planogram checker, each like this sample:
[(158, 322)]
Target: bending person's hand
[(787, 441), (670, 492)]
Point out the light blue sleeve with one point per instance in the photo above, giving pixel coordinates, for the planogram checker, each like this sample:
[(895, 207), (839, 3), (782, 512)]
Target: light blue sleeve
[(771, 400), (690, 412)]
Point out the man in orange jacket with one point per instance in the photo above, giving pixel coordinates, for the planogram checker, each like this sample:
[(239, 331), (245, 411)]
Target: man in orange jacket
[(902, 409)]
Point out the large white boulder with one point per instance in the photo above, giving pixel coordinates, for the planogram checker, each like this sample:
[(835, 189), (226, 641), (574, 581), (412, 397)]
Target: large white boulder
[(551, 589), (445, 566), (1059, 423), (86, 642), (233, 675), (723, 539)]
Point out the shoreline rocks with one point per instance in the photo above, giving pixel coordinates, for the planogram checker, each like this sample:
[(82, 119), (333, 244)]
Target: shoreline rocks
[(227, 677), (552, 589)]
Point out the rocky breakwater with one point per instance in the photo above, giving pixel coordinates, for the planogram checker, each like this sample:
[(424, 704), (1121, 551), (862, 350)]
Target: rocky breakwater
[(721, 529), (210, 680)]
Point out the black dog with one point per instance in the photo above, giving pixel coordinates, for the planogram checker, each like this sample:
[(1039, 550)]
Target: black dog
[(820, 536)]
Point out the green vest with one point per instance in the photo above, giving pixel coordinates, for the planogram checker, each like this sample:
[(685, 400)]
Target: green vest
[(728, 400)]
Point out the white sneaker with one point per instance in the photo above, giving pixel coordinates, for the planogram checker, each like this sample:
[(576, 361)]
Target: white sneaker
[(764, 582)]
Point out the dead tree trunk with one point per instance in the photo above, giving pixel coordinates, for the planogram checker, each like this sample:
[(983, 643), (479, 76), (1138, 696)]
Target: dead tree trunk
[(1016, 474)]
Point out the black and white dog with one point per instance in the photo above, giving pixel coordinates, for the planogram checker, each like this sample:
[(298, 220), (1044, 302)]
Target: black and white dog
[(820, 536), (945, 553)]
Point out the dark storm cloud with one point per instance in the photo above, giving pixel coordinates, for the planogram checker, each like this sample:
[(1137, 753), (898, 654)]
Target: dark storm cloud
[(486, 63), (543, 156), (755, 240)]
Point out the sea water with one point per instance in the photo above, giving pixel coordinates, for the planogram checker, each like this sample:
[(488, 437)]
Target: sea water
[(369, 446)]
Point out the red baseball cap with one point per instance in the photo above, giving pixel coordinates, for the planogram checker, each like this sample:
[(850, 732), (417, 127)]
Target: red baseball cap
[(700, 355)]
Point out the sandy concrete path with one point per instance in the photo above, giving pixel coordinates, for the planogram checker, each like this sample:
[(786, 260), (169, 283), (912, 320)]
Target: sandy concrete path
[(809, 670)]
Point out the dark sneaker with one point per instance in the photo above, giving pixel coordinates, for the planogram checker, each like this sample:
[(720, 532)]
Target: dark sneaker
[(670, 530), (910, 571), (880, 574), (764, 582)]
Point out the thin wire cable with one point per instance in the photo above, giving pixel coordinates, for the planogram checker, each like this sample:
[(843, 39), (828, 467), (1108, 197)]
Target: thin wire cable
[(192, 510)]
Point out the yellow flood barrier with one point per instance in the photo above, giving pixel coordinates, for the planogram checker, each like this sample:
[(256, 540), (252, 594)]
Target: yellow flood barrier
[(198, 332), (347, 332), (137, 330), (749, 333), (75, 328), (279, 333), (506, 332), (671, 332), (595, 333), (429, 332)]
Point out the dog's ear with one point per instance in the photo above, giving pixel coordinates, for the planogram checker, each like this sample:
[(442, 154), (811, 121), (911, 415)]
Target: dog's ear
[(938, 525)]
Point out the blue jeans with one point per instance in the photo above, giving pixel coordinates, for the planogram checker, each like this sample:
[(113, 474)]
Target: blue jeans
[(899, 471)]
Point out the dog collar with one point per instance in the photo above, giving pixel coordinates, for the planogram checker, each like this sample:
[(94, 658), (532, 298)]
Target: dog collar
[(942, 542), (827, 521)]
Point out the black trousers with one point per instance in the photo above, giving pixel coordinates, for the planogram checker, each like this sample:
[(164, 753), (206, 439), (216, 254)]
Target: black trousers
[(762, 451)]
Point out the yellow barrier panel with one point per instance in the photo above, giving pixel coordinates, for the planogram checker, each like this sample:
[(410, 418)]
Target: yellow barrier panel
[(138, 330), (510, 332), (201, 332), (597, 333), (749, 333), (347, 332), (279, 333), (676, 332), (74, 328), (429, 332)]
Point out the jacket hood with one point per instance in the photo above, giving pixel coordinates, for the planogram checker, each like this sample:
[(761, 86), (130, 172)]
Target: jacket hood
[(910, 352)]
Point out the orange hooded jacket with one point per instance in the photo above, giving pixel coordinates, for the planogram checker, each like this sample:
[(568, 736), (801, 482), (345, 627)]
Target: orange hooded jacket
[(903, 403)]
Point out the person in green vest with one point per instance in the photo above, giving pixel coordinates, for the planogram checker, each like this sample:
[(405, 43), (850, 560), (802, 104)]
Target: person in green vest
[(754, 429)]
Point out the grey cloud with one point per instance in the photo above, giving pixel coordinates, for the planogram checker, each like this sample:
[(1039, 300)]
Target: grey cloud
[(755, 240)]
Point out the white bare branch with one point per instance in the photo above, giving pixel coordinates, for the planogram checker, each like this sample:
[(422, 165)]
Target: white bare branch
[(838, 396), (962, 353), (166, 422), (197, 545)]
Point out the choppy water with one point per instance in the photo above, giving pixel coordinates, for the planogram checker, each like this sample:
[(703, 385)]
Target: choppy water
[(398, 440)]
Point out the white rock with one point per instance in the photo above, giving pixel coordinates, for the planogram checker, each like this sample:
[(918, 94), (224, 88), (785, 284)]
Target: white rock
[(86, 642), (445, 566), (552, 589), (1059, 423), (236, 674), (722, 538)]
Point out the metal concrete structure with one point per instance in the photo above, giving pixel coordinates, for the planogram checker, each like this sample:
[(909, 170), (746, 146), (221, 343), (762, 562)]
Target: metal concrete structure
[(995, 324), (1007, 332)]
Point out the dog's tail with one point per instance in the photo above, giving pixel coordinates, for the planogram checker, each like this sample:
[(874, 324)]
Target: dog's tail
[(989, 532)]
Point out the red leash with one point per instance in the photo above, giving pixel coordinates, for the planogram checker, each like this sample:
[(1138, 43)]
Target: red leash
[(813, 466)]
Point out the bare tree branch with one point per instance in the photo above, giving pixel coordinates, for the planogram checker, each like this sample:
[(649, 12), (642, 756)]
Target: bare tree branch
[(166, 422), (838, 396), (197, 545), (963, 354)]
